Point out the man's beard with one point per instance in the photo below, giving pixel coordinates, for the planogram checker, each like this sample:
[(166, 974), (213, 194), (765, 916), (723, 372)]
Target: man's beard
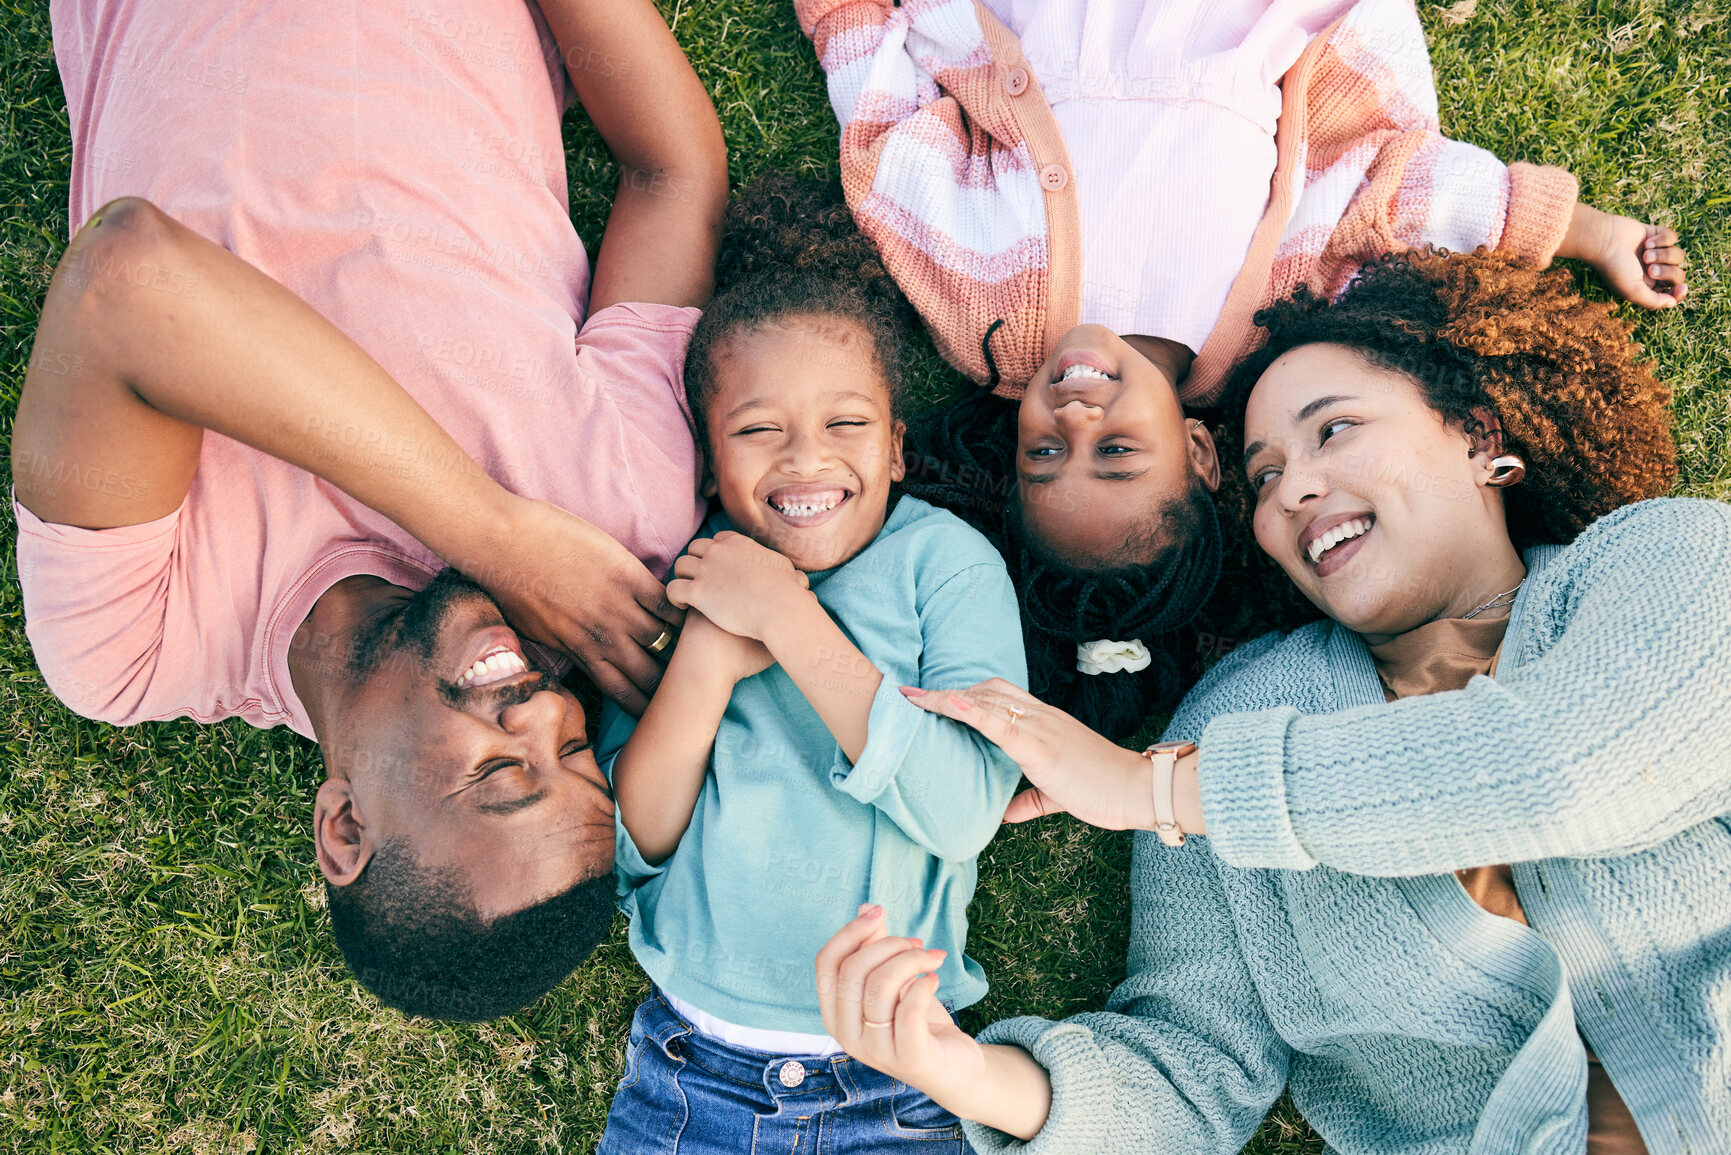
[(414, 627), (412, 631)]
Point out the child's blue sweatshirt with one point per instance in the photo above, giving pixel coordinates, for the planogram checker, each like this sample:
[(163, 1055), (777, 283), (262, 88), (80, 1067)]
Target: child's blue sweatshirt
[(788, 838)]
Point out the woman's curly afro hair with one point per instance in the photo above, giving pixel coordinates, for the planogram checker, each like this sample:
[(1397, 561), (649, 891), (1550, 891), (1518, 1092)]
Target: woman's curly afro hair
[(1482, 331), (790, 248)]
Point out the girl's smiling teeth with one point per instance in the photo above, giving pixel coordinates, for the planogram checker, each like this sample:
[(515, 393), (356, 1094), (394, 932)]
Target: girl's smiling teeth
[(1077, 369), (1346, 531), (806, 504), (495, 666)]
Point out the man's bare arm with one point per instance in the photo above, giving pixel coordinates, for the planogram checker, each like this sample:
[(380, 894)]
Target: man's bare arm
[(649, 106), (130, 368)]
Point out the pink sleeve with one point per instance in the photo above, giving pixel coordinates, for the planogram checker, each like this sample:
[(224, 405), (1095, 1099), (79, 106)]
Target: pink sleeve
[(634, 356), (637, 354), (1541, 204), (95, 607)]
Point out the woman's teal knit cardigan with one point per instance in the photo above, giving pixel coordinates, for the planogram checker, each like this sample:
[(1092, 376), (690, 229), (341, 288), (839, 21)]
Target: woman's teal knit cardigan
[(1318, 939)]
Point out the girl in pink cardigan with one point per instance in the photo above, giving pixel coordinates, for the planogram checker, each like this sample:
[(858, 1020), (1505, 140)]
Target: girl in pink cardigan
[(1089, 200)]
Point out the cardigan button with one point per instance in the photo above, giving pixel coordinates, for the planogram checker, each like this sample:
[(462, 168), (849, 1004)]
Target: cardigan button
[(1053, 178), (1016, 82)]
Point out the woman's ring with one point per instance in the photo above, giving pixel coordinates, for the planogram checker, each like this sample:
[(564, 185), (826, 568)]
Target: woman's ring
[(875, 1023), (1012, 712), (660, 643)]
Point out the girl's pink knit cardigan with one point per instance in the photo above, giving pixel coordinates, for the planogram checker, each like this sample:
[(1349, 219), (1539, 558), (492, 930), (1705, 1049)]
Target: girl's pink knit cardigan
[(953, 163)]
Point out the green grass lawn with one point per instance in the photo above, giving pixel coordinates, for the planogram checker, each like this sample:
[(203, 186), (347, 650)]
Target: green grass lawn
[(167, 980)]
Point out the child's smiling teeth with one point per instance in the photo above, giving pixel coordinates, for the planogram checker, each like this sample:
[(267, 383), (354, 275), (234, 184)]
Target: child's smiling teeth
[(496, 666), (1077, 369), (810, 505), (1346, 531)]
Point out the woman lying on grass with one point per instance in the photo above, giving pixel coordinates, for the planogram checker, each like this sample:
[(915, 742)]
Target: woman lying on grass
[(1088, 200), (1463, 885)]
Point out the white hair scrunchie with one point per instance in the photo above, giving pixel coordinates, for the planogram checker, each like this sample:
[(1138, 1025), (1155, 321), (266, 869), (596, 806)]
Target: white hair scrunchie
[(1109, 657)]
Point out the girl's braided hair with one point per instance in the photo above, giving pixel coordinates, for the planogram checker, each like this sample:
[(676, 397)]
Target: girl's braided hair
[(962, 457), (1480, 331), (790, 248)]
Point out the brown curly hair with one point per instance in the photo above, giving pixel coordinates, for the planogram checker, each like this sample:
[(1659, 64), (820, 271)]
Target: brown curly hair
[(790, 248), (1565, 381)]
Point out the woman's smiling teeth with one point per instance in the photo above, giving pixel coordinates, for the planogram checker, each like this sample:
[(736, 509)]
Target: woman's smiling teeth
[(495, 667), (1357, 527)]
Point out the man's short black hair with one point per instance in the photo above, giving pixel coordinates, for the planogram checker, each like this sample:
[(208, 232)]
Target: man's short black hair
[(413, 938)]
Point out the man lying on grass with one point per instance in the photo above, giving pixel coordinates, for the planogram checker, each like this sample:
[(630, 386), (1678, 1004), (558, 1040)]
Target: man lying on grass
[(227, 507)]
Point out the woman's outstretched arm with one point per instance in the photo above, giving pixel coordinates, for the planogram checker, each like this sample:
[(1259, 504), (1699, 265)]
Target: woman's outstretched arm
[(1184, 1058), (1610, 742)]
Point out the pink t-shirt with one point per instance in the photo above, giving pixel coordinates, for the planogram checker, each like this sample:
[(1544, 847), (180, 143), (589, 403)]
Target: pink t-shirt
[(400, 167)]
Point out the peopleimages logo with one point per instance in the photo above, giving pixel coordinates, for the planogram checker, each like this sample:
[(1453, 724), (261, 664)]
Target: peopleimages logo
[(133, 65)]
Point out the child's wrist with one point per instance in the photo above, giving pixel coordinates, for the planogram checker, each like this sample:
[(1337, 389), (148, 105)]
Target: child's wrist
[(787, 623), (1584, 240), (1012, 1092), (696, 665)]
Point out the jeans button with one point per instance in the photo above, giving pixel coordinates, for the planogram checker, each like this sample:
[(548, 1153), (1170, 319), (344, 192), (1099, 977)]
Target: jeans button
[(792, 1073)]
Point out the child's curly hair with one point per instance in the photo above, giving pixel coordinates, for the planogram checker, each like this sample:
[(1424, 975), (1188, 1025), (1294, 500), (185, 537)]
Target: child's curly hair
[(1560, 373), (789, 248)]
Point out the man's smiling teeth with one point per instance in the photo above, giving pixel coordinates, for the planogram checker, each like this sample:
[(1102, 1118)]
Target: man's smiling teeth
[(1357, 527), (809, 507), (495, 667), (1073, 371)]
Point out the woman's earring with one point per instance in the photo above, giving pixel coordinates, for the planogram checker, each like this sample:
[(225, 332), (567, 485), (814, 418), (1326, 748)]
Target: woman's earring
[(1506, 471)]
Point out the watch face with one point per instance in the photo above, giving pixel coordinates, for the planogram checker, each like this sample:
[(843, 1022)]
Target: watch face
[(1178, 748)]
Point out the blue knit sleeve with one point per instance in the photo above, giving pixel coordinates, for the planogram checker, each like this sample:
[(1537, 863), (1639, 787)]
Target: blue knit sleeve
[(942, 783), (1184, 1058), (1608, 737)]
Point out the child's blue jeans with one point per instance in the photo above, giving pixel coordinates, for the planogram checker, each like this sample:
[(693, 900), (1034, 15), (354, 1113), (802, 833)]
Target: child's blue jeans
[(687, 1093)]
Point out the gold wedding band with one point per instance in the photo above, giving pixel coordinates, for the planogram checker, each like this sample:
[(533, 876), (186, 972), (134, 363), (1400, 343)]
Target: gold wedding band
[(1012, 712), (875, 1023), (660, 643)]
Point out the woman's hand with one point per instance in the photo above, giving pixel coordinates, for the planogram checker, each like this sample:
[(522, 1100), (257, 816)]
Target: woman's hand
[(1640, 262), (739, 585), (878, 996), (865, 978), (565, 583), (1072, 768)]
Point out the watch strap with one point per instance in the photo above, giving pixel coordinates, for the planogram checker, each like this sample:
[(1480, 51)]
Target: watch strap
[(1165, 815)]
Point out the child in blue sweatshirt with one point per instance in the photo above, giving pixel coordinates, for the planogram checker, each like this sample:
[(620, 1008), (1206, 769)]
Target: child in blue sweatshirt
[(779, 781)]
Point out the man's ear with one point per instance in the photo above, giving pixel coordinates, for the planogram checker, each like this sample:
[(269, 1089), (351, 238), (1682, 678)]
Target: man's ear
[(341, 838), (1204, 457), (898, 463)]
